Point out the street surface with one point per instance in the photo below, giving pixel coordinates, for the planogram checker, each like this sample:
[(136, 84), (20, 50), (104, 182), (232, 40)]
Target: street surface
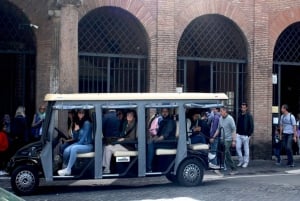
[(278, 186)]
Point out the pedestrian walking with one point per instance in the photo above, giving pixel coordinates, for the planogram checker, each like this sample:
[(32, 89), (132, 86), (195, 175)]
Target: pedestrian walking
[(298, 132), (227, 129), (4, 145), (245, 129), (19, 129), (288, 132), (37, 123)]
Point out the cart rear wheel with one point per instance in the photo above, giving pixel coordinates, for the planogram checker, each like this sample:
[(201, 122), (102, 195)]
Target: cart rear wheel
[(190, 173)]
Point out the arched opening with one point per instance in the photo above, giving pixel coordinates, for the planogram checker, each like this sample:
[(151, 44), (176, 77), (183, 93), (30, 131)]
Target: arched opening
[(286, 68), (113, 52), (212, 57), (17, 60), (286, 71)]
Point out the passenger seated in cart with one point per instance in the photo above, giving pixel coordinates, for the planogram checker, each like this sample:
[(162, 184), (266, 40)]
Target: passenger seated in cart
[(166, 131), (110, 126), (197, 128), (84, 144), (128, 135)]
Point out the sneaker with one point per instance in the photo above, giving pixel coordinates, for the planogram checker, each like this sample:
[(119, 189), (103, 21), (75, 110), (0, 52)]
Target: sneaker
[(213, 166), (106, 171), (233, 172), (240, 164), (64, 172), (3, 173), (278, 163), (292, 165), (245, 165), (218, 173)]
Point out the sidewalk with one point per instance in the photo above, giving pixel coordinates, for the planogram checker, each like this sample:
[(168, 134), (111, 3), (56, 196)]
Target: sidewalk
[(267, 166)]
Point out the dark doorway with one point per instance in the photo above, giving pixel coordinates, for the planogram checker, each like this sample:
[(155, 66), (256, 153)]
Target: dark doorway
[(290, 88), (198, 79), (17, 60)]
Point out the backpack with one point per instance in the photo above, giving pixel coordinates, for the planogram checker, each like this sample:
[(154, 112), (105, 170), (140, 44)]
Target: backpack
[(154, 124)]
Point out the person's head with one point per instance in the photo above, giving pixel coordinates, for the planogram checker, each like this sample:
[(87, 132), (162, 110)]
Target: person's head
[(130, 116), (284, 108), (83, 115), (165, 112), (20, 111), (42, 108), (6, 118), (244, 107), (224, 111), (204, 115), (196, 116)]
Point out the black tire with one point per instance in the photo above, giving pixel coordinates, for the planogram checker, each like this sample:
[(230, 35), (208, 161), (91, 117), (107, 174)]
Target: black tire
[(24, 180), (171, 177), (190, 173)]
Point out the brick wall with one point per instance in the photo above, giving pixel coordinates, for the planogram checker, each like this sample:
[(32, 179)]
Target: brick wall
[(164, 22)]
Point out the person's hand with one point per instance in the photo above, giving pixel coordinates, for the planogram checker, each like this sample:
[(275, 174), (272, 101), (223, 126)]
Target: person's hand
[(211, 140), (76, 127), (233, 143), (157, 139), (197, 129), (295, 138)]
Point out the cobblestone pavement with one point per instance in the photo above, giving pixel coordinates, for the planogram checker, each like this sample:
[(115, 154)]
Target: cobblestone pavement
[(262, 180)]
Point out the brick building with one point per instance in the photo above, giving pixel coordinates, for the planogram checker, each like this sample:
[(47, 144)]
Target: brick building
[(248, 49)]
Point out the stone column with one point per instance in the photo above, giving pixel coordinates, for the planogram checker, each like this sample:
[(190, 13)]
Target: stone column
[(166, 48), (68, 49), (262, 86)]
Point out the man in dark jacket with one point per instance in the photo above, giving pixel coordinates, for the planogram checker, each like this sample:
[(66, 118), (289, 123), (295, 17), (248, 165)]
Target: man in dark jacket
[(166, 131), (245, 129)]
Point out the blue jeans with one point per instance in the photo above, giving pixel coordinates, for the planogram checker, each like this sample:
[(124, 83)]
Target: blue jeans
[(151, 148), (277, 150), (214, 150), (70, 153), (288, 143)]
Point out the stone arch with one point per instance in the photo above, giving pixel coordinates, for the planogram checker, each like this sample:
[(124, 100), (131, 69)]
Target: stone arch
[(115, 38), (200, 8), (135, 7), (280, 23), (17, 55)]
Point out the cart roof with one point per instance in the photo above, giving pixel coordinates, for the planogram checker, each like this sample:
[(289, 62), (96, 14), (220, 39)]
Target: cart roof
[(134, 96)]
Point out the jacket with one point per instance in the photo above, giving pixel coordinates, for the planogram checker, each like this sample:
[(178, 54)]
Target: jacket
[(248, 127)]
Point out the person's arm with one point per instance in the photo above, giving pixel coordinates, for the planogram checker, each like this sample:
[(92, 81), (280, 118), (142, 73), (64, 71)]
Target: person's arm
[(294, 127), (251, 125), (167, 131), (233, 128), (86, 130), (216, 134), (280, 128), (131, 136), (36, 124)]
